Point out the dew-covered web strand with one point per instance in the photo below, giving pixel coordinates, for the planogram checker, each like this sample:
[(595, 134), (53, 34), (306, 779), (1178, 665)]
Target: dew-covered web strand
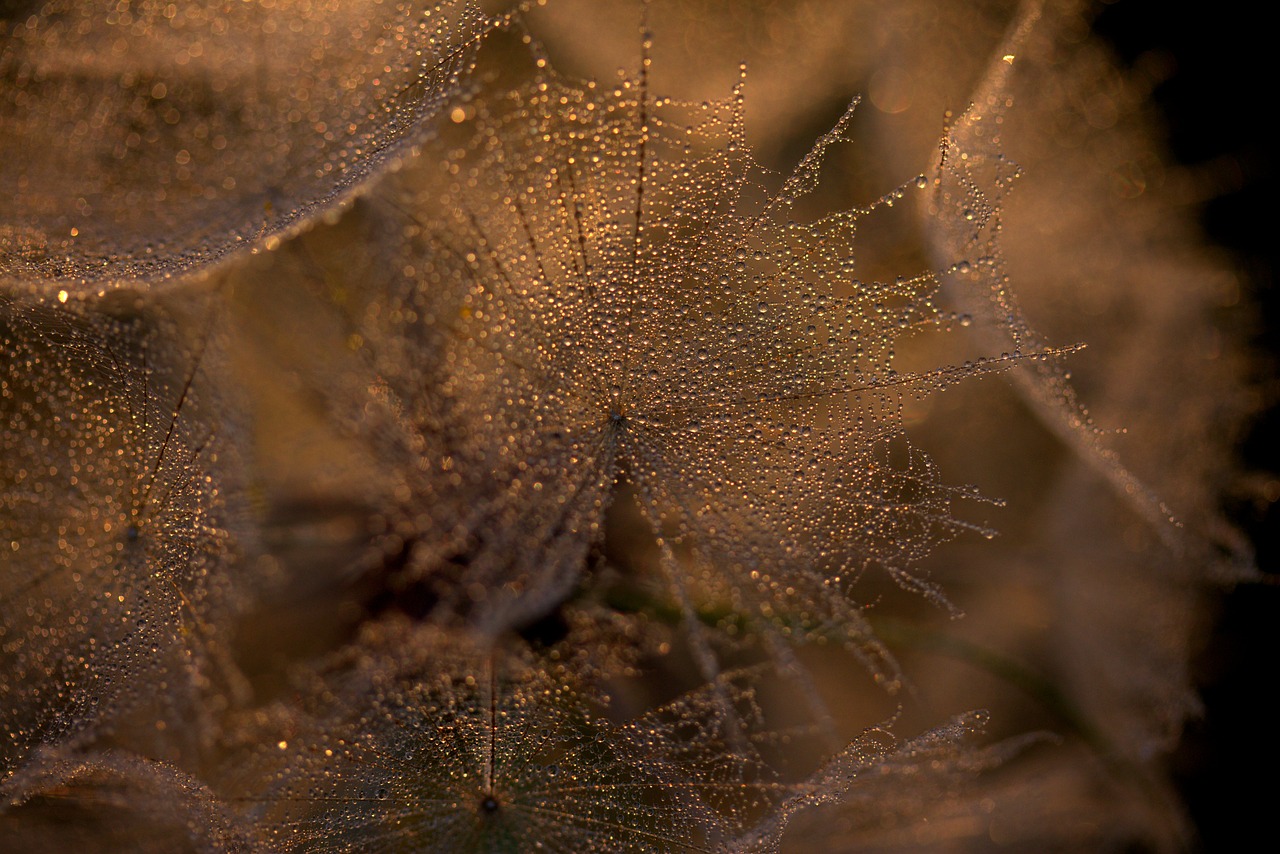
[(833, 382), (491, 757), (704, 653), (582, 269), (660, 454), (423, 401), (148, 508), (920, 382), (767, 333), (642, 143), (636, 243), (1056, 403), (565, 385), (582, 265), (106, 390), (869, 651), (645, 423), (523, 725), (1047, 389), (802, 180), (140, 511), (799, 182), (174, 416), (371, 122), (143, 510)]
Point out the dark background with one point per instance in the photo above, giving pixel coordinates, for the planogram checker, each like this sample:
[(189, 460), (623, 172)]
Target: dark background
[(1216, 104)]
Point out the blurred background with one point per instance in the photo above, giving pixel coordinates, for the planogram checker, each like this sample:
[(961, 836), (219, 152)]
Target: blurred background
[(1217, 122)]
